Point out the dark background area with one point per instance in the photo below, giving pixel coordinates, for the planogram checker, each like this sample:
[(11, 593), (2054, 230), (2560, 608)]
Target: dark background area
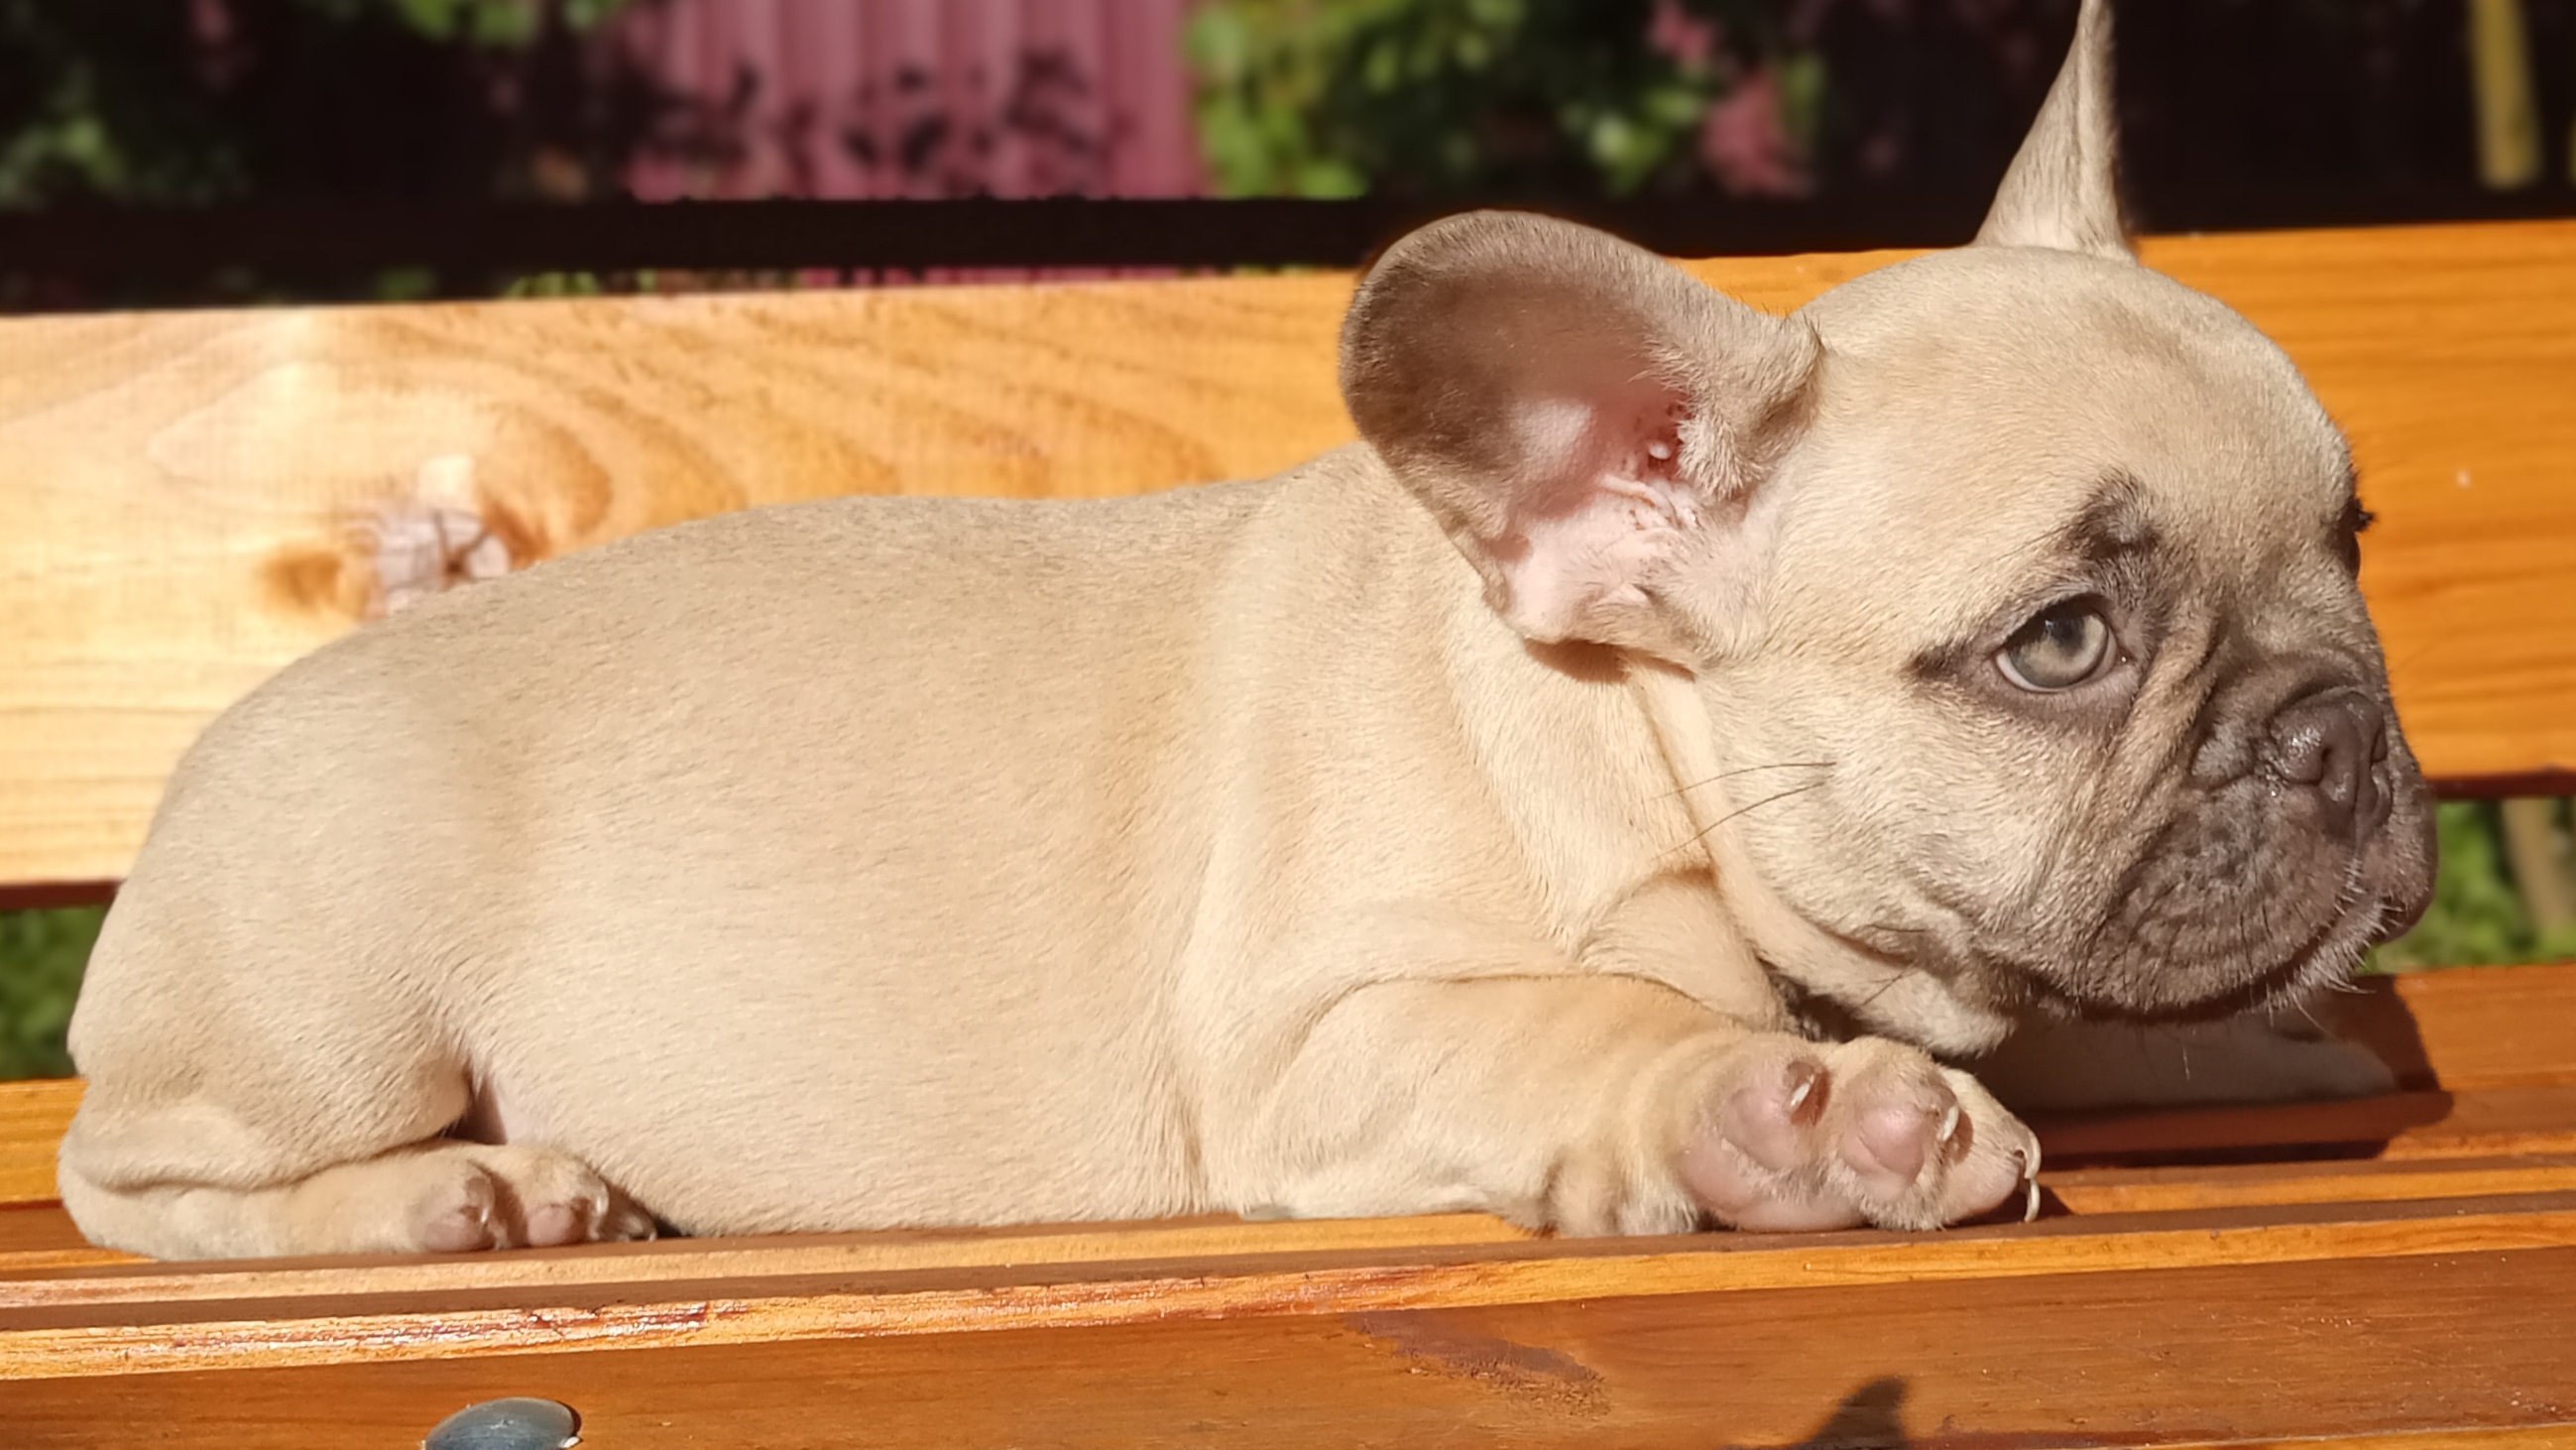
[(347, 149)]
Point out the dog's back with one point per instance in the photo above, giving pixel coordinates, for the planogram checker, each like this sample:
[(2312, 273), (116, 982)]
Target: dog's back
[(796, 793)]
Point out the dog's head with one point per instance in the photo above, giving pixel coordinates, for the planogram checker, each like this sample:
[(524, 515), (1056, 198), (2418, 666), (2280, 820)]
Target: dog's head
[(2020, 581)]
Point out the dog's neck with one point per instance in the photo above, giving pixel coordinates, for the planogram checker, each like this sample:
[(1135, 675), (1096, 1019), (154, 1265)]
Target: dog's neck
[(1884, 994)]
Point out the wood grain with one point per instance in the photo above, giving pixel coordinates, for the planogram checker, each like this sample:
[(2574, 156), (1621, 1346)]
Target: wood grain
[(42, 1340), (2477, 1027), (2448, 354), (2524, 1437), (190, 497), (2466, 1345), (2193, 1187), (33, 1117), (2402, 1125)]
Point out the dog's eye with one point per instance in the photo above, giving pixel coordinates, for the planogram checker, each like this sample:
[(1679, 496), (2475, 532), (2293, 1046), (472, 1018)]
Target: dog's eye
[(2063, 646)]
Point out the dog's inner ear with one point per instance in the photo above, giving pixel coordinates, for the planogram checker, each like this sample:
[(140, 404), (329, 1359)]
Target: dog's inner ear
[(2063, 190), (1584, 419)]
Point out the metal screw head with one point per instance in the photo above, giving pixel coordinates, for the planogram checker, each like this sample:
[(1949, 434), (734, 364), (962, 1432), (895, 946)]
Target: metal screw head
[(513, 1424)]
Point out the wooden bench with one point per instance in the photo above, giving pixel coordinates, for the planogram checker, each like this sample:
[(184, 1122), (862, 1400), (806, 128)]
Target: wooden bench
[(188, 501)]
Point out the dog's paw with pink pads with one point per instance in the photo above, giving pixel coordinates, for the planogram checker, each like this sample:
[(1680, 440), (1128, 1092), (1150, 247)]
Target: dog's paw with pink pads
[(1792, 1134), (464, 1197)]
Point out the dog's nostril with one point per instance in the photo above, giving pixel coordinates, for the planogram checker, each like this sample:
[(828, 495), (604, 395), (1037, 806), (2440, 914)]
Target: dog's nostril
[(2335, 743)]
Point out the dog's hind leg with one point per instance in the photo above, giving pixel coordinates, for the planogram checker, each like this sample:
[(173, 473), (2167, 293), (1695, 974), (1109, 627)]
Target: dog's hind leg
[(438, 1196), (259, 1090), (178, 1161)]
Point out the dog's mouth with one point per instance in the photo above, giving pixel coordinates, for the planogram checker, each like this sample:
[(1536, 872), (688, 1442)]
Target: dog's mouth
[(2144, 991), (2234, 904)]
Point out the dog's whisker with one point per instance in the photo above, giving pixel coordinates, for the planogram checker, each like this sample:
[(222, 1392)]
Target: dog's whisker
[(1746, 770), (1893, 978), (1702, 833)]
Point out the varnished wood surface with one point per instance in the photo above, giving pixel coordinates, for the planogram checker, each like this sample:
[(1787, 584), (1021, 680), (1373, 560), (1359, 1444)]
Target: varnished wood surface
[(2523, 1437), (90, 1336), (2443, 1343), (2185, 1188), (187, 500), (2474, 1027), (33, 1118), (2403, 1125)]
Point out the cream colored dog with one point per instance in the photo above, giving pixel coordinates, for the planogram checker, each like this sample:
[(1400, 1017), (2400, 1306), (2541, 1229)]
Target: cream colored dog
[(1478, 818)]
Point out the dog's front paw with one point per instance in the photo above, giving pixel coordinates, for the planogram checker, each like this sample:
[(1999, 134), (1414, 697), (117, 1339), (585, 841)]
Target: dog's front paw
[(1791, 1134), (459, 1198)]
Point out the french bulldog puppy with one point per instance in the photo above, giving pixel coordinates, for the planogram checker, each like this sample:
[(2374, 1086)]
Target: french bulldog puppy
[(1471, 818)]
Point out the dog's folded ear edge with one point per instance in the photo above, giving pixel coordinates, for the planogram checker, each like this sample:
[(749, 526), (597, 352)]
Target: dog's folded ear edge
[(1588, 422)]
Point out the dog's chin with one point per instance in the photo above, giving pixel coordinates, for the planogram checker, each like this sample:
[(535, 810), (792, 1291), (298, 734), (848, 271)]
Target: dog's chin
[(2326, 959)]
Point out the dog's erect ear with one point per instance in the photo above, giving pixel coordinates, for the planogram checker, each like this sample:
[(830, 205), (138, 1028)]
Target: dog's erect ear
[(2063, 190), (1585, 420)]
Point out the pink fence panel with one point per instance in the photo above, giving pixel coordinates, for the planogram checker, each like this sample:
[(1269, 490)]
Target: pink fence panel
[(915, 98)]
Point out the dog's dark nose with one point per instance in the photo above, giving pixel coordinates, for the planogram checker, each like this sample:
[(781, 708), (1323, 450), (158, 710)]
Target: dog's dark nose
[(2334, 743)]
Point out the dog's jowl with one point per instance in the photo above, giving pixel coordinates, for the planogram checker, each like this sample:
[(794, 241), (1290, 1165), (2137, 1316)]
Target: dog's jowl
[(1492, 814)]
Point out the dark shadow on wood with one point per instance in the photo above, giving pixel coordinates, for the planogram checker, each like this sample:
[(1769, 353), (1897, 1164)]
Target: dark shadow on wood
[(1869, 1418), (40, 895)]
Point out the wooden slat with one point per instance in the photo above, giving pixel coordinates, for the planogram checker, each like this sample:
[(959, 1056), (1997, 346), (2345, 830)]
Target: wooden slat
[(2467, 1344), (2467, 1028), (92, 1337), (2449, 356), (33, 1118), (2195, 1187), (2526, 1437), (176, 520), (41, 1236), (2404, 1125)]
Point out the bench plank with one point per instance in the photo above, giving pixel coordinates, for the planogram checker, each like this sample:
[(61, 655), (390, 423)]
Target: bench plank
[(2434, 1343), (195, 499), (54, 1327), (33, 1118)]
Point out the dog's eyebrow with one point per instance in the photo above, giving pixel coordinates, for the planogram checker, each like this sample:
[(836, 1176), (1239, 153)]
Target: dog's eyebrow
[(2110, 531), (2113, 524)]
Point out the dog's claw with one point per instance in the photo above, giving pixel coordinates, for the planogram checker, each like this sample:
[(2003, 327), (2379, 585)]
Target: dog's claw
[(1805, 1089)]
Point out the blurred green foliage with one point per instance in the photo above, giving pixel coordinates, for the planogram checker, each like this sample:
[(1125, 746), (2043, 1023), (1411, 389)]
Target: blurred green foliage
[(169, 104), (1337, 97), (173, 103), (2477, 916), (41, 956)]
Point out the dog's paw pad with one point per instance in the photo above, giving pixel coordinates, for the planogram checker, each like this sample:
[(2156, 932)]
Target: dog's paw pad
[(1800, 1135), (1770, 1114), (568, 1222), (1752, 1159), (551, 1198), (1898, 1130), (457, 1213)]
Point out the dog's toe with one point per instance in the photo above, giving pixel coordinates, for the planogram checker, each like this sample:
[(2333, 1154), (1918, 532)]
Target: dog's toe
[(1752, 1161), (456, 1211), (552, 1198), (1805, 1136), (550, 1224)]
